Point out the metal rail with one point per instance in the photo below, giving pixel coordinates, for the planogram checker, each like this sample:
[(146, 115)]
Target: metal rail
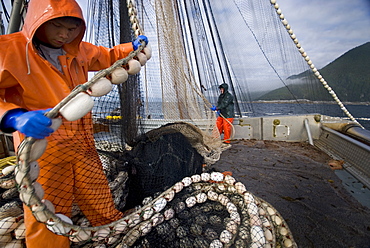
[(355, 153)]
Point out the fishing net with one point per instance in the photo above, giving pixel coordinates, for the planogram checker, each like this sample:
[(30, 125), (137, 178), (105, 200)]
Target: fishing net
[(156, 145), (209, 209)]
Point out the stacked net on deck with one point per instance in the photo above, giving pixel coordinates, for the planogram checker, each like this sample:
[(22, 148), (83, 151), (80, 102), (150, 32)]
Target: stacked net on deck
[(203, 210)]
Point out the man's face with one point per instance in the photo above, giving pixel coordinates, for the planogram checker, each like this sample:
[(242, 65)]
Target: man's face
[(57, 32), (222, 90)]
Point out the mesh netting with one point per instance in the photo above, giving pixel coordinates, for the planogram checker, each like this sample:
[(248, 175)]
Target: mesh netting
[(105, 180), (202, 210)]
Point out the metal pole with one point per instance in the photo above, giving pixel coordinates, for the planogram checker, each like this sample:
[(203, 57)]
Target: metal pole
[(2, 28), (310, 140), (15, 17)]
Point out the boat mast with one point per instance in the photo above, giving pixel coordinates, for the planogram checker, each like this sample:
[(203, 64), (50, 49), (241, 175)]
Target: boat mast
[(129, 92), (15, 16), (2, 28)]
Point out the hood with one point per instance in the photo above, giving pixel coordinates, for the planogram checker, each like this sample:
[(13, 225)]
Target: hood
[(224, 86), (41, 11)]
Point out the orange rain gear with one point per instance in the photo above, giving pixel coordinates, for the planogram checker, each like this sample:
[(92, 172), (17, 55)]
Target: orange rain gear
[(70, 168), (223, 125)]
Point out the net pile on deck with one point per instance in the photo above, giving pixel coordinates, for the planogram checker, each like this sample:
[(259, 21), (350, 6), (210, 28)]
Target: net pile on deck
[(203, 210)]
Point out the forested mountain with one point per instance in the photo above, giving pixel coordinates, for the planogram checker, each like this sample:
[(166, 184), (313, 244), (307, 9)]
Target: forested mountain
[(348, 75)]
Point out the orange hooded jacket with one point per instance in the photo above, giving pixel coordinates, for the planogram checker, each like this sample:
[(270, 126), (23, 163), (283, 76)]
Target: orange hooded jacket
[(71, 171)]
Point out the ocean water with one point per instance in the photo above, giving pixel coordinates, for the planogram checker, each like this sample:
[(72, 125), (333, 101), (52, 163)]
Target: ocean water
[(360, 112)]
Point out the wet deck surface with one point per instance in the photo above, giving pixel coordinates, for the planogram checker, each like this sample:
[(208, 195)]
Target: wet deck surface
[(297, 180)]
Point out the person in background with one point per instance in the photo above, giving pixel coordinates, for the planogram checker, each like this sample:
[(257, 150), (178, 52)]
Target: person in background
[(225, 108), (39, 66)]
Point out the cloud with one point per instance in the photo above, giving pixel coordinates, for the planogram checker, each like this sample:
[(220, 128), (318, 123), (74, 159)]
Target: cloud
[(327, 29)]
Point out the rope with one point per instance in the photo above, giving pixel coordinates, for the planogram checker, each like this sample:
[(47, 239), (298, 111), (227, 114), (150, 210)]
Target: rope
[(309, 62)]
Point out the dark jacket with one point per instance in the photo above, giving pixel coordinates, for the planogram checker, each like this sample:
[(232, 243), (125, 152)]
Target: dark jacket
[(225, 102)]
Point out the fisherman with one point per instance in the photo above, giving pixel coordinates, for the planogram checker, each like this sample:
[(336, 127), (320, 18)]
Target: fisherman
[(225, 108), (39, 66)]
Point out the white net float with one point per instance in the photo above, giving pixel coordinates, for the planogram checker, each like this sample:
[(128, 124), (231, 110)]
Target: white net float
[(142, 58), (217, 176), (56, 123), (119, 76), (148, 51), (77, 107), (100, 88), (258, 235), (157, 219), (159, 204), (216, 244), (57, 227), (8, 170), (8, 184), (213, 196), (38, 210), (169, 196), (186, 181), (147, 213), (33, 172), (6, 238), (133, 66), (101, 234), (37, 149), (31, 195), (225, 236), (80, 235), (201, 198), (120, 226), (20, 231), (205, 177), (7, 225), (15, 243), (39, 213), (196, 178)]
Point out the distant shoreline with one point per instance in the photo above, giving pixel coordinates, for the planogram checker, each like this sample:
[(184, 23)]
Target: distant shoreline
[(309, 102)]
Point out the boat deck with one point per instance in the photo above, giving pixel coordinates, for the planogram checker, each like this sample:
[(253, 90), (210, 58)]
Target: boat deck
[(297, 180)]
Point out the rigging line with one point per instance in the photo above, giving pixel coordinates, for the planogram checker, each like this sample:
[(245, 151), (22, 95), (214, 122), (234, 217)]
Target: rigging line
[(207, 50), (212, 69), (144, 13), (223, 55), (111, 15), (264, 54), (209, 71), (6, 13)]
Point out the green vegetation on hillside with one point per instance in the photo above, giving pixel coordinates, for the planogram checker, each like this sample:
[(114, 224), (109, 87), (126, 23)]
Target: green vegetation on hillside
[(348, 75)]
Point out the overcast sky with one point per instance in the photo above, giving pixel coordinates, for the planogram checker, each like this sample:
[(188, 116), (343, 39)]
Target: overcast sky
[(328, 28)]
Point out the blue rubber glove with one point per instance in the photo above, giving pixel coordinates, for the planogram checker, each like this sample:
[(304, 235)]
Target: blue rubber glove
[(214, 108), (32, 124), (136, 43)]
